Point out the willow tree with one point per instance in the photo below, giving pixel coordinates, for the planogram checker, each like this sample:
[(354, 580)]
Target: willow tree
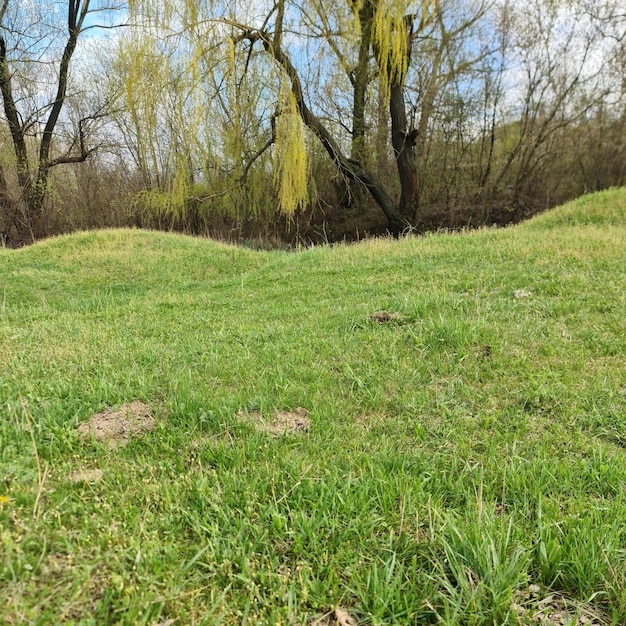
[(199, 129), (372, 40), (37, 43)]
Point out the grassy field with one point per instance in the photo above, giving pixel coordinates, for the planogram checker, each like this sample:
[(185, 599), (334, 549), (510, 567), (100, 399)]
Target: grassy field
[(465, 461)]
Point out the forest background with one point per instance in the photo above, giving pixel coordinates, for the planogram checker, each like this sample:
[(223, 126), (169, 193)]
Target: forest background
[(314, 120)]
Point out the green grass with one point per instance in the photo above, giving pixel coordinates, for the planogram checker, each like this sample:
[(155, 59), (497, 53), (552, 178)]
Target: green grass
[(468, 450)]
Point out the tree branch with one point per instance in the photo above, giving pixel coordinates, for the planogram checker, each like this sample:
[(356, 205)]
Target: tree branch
[(270, 142), (75, 18)]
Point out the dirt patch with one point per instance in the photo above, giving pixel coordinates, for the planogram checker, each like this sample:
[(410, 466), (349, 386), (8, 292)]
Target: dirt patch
[(117, 427), (280, 422), (387, 317), (86, 476)]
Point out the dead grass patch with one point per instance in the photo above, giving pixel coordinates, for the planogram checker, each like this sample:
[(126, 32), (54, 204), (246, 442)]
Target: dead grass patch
[(555, 609), (279, 423), (86, 475), (336, 617)]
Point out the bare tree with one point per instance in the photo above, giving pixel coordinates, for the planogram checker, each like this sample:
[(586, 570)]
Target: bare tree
[(30, 38)]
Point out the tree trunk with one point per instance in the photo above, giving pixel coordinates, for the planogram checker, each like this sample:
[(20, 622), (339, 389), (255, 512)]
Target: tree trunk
[(360, 82), (403, 139), (403, 143), (7, 211)]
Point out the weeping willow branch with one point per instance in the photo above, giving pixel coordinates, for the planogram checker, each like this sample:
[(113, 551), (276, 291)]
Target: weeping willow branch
[(270, 142), (349, 168)]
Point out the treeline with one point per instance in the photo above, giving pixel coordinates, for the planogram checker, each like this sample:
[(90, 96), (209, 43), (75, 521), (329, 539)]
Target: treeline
[(314, 121)]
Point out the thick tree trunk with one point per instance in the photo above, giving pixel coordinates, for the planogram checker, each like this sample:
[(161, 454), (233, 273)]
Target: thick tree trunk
[(360, 82), (402, 138), (403, 142), (382, 133), (7, 211), (16, 221)]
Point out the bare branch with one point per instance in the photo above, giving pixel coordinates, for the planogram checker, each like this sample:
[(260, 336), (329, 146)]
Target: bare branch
[(3, 10)]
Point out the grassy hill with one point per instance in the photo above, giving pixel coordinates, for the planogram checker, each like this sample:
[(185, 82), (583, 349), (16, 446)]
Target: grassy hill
[(465, 460)]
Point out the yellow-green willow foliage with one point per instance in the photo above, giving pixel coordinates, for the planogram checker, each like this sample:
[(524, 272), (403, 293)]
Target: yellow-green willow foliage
[(394, 22), (147, 88), (170, 204), (290, 155), (227, 89), (157, 13), (142, 72), (196, 117)]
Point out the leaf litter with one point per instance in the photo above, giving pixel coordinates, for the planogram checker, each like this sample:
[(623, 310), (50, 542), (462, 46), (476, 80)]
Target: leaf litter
[(554, 609), (336, 617)]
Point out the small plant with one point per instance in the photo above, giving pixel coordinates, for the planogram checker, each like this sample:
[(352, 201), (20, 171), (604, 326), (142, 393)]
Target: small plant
[(484, 563)]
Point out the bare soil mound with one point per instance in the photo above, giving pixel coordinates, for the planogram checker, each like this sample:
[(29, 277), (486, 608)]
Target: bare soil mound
[(116, 427)]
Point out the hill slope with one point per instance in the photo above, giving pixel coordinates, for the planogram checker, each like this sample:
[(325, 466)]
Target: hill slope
[(465, 457)]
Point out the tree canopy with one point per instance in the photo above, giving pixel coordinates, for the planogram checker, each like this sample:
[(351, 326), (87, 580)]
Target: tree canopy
[(357, 115)]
